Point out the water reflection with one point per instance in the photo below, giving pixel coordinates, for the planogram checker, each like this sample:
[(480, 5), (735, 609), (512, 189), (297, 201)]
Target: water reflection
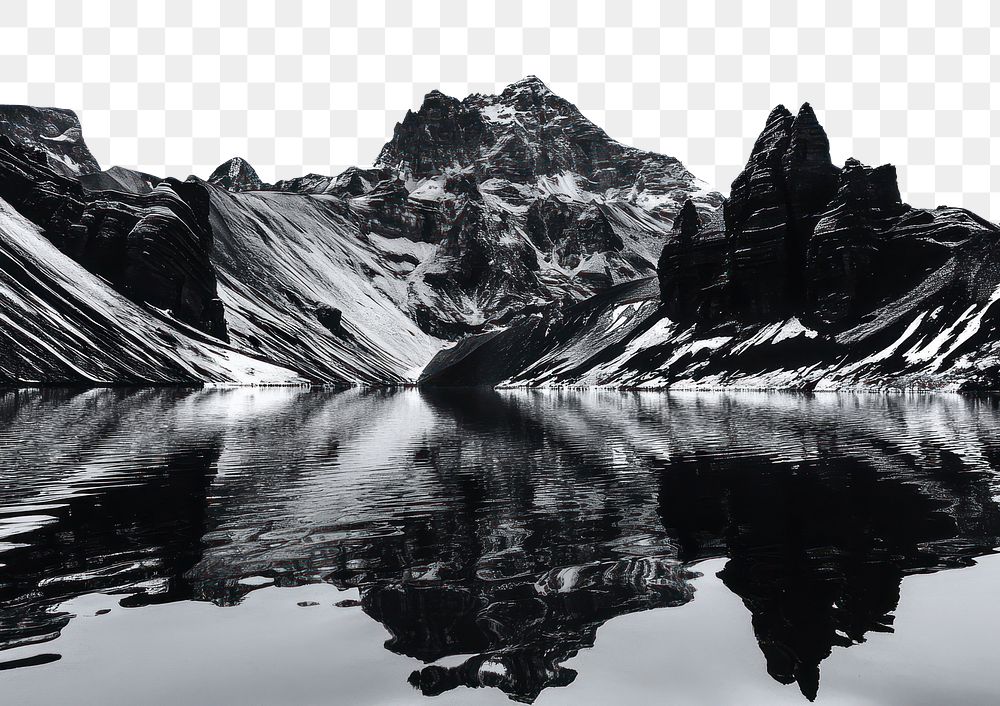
[(492, 534)]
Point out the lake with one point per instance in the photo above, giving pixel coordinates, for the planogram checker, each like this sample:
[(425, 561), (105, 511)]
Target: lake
[(296, 546)]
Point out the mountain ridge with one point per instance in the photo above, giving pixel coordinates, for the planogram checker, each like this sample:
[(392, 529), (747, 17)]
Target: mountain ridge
[(506, 239)]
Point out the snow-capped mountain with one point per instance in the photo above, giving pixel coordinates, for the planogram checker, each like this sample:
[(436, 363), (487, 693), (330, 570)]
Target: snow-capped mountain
[(529, 204), (499, 239), (814, 277), (356, 278)]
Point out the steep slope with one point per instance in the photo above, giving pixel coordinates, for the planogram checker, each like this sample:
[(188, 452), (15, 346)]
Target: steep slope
[(302, 285), (61, 324), (819, 278), (153, 245)]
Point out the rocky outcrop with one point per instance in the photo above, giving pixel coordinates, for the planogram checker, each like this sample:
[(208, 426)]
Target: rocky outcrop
[(691, 269), (477, 267), (236, 174), (774, 205), (845, 251), (153, 247), (54, 133), (441, 134), (119, 179)]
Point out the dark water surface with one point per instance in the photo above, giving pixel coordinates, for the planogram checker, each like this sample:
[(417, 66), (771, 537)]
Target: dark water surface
[(318, 547)]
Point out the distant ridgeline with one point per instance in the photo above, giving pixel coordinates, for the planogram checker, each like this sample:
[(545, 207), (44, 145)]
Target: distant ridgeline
[(499, 240)]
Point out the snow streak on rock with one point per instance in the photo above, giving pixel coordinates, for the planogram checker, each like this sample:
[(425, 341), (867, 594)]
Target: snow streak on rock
[(62, 324)]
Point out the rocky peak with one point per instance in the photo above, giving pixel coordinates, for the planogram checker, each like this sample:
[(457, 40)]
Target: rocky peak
[(236, 174), (774, 206), (528, 133), (54, 132), (868, 187), (810, 177), (442, 133), (808, 142), (774, 137), (528, 84), (687, 222)]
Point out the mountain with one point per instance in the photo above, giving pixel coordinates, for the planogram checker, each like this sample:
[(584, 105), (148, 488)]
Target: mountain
[(529, 205), (356, 278), (815, 277), (499, 239)]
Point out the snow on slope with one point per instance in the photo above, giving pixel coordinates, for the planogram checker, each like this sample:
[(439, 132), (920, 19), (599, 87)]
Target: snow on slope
[(624, 340), (285, 261), (60, 323)]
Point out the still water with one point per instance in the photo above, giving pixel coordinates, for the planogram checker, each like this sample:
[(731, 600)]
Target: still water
[(288, 546)]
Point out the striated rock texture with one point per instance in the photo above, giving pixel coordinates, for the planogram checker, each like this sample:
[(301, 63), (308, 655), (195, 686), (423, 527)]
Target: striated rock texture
[(846, 268), (62, 324), (691, 269), (152, 245)]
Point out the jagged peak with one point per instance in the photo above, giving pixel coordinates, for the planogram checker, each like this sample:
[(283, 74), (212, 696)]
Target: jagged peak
[(434, 101), (235, 174), (778, 112), (233, 166), (774, 137), (531, 83), (809, 142), (806, 110), (805, 120)]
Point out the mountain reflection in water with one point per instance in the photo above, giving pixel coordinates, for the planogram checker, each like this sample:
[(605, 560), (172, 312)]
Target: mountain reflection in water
[(501, 528)]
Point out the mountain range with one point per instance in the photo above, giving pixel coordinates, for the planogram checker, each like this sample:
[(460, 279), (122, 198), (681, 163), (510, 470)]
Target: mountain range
[(498, 240)]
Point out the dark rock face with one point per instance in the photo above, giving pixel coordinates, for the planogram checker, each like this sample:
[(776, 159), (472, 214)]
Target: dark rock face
[(331, 317), (845, 250), (443, 132), (774, 206), (469, 269), (154, 246), (53, 132), (802, 238), (691, 268)]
